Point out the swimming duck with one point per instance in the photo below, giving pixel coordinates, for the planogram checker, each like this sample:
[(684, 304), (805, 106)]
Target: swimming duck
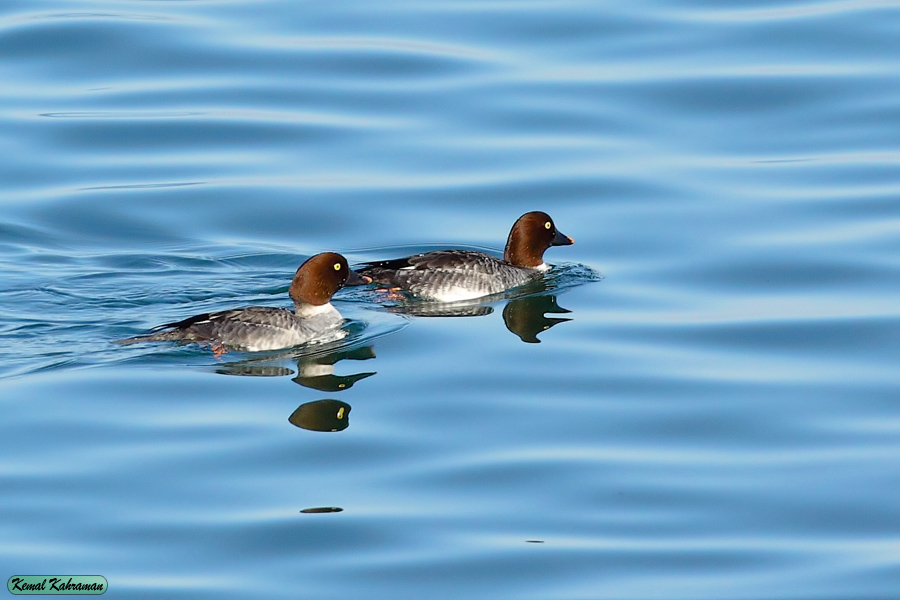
[(256, 328), (454, 275)]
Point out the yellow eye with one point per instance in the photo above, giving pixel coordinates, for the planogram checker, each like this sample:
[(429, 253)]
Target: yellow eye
[(548, 225), (337, 266)]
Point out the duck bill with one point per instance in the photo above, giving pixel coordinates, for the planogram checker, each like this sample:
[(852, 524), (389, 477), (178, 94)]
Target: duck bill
[(561, 240), (355, 278)]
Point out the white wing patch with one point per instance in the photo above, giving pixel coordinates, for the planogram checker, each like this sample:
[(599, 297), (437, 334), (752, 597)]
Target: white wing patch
[(457, 293)]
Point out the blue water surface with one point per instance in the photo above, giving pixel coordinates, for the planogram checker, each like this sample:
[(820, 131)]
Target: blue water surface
[(700, 401)]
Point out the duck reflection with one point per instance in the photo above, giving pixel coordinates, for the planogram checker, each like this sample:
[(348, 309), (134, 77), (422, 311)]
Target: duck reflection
[(316, 371), (250, 370), (525, 316), (322, 415), (418, 308)]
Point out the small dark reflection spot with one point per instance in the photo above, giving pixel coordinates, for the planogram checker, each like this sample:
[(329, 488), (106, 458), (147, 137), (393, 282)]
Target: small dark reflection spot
[(322, 509), (534, 541)]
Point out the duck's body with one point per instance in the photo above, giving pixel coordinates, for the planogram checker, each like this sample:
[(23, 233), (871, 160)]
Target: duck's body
[(450, 275), (251, 329), (257, 328), (454, 275)]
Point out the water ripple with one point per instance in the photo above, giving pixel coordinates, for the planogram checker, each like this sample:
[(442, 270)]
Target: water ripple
[(716, 419)]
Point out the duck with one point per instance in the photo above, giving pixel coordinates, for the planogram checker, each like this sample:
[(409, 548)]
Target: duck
[(457, 275), (259, 328)]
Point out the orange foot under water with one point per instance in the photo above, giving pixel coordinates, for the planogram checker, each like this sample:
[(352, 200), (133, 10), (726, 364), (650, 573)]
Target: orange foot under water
[(393, 293)]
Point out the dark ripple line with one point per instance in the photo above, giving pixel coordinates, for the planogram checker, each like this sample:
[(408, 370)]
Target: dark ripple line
[(138, 186)]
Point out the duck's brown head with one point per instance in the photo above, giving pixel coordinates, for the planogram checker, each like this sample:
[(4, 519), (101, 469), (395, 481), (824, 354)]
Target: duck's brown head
[(316, 281), (529, 237)]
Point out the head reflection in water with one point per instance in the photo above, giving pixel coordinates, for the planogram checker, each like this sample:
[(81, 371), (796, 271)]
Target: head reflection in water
[(526, 318), (322, 415)]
